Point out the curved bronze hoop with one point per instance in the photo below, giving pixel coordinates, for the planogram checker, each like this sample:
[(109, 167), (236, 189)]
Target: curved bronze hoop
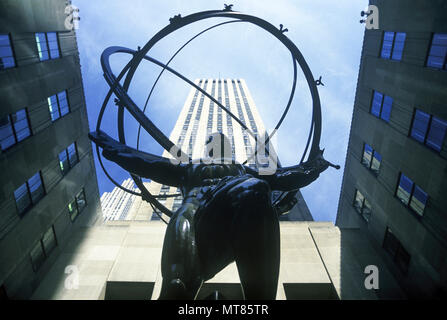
[(124, 101)]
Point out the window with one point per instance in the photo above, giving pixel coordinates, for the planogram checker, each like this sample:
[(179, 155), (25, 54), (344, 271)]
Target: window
[(47, 45), (393, 45), (371, 159), (428, 130), (411, 195), (362, 205), (37, 256), (6, 54), (58, 105), (76, 206), (68, 158), (381, 106), (14, 128), (29, 193), (438, 51), (393, 246), (43, 248), (155, 216)]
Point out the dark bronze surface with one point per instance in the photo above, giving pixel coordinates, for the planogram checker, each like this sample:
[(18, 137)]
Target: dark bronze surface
[(226, 216)]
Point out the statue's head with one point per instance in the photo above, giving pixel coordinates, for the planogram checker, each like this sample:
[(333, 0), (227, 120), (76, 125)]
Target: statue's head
[(218, 147)]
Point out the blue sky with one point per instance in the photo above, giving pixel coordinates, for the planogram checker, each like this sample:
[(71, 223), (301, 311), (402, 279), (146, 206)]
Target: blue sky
[(328, 34)]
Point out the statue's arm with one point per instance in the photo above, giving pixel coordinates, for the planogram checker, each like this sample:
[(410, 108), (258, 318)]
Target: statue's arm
[(295, 177), (140, 163)]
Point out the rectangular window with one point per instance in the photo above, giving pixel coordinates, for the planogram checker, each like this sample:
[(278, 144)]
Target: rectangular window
[(49, 241), (58, 105), (68, 158), (47, 45), (362, 205), (6, 54), (371, 159), (428, 130), (14, 128), (438, 51), (76, 206), (37, 256), (411, 195), (393, 246), (29, 193), (393, 45), (381, 106)]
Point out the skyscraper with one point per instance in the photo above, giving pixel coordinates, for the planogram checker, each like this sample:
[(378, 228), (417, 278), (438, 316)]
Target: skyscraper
[(115, 205), (199, 118), (48, 178), (395, 179)]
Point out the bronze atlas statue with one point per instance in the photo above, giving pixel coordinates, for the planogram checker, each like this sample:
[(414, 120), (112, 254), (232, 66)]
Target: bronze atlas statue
[(227, 213)]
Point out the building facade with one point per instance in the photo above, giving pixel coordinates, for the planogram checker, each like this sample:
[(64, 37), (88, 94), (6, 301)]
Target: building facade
[(115, 205), (395, 179), (48, 179), (201, 117)]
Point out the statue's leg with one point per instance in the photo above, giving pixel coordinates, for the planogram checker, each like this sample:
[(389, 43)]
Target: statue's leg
[(179, 264), (239, 224), (255, 239)]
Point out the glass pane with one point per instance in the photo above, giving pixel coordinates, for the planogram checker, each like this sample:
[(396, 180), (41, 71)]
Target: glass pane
[(435, 62), (80, 199), (436, 134), (419, 200), (440, 39), (22, 198), (358, 201), (21, 126), (420, 125), (52, 43), (399, 43), (402, 259), (367, 155), (42, 46), (52, 106), (404, 189), (63, 103), (73, 210), (49, 241), (366, 211), (376, 103), (386, 108), (72, 155), (377, 159), (5, 52), (6, 135), (36, 187), (390, 243), (7, 63), (37, 256), (388, 38), (4, 40), (63, 162)]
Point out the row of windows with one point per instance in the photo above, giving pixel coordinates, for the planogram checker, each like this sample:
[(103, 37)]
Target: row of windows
[(391, 244), (425, 128), (30, 192), (47, 44), (16, 127), (393, 45)]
